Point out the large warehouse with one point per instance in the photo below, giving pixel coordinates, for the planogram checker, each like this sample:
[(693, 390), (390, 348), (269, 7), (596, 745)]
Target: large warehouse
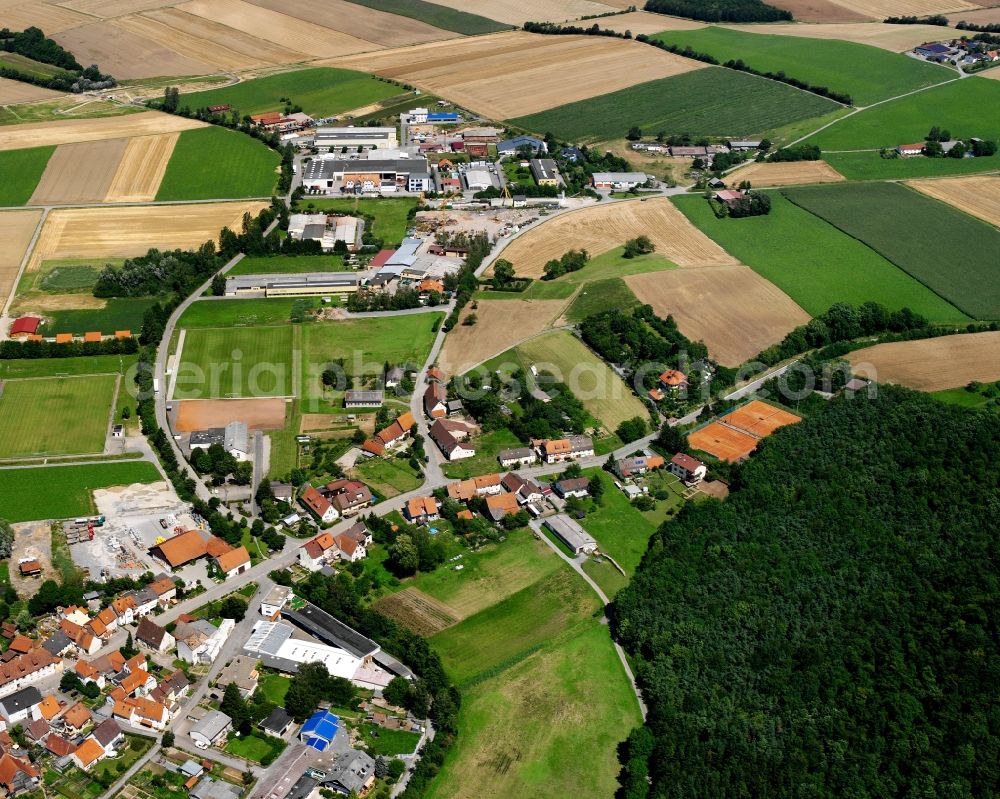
[(336, 138), (366, 175), (311, 284)]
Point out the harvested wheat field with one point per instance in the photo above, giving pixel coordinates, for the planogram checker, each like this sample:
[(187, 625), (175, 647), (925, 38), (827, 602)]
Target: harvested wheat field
[(820, 11), (735, 311), (417, 611), (982, 16), (40, 134), (259, 414), (14, 91), (280, 29), (106, 9), (932, 364), (16, 230), (786, 173), (80, 172), (501, 324), (603, 227), (978, 196), (517, 12), (205, 40), (489, 74), (759, 419), (47, 16), (880, 9), (643, 22), (141, 168), (132, 230), (896, 38)]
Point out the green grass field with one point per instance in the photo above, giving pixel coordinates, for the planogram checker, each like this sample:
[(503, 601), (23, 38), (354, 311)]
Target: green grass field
[(218, 163), (439, 16), (488, 446), (382, 741), (388, 477), (948, 251), (599, 296), (321, 91), (274, 687), (62, 492), (236, 362), (65, 275), (621, 530), (868, 74), (254, 747), (240, 313), (21, 171), (121, 313), (813, 262), (705, 102), (869, 165), (29, 66), (55, 416), (391, 215), (60, 108), (287, 264), (969, 107), (64, 367)]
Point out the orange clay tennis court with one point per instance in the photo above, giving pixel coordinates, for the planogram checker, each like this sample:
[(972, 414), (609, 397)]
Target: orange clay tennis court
[(759, 419), (735, 435)]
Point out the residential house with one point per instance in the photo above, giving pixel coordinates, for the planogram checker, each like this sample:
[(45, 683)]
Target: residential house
[(691, 470), (349, 497), (627, 468), (24, 670), (210, 729), (421, 510), (392, 437), (57, 745), (84, 640), (17, 774), (618, 181), (38, 730), (319, 505), (318, 552), (511, 146), (673, 380), (436, 401), (20, 706), (124, 608), (351, 773), (275, 600), (277, 723), (49, 708), (173, 688), (138, 682), (109, 735), (199, 641), (233, 562), (449, 435), (87, 754), (572, 487), (565, 449), (21, 645), (165, 588), (500, 505), (75, 614), (142, 712), (57, 644), (151, 634), (525, 491), (283, 492), (464, 490), (242, 672), (145, 600), (519, 456), (77, 718), (352, 544)]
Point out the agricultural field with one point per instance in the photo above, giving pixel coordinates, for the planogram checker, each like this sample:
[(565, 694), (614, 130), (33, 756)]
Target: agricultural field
[(517, 12), (142, 167), (706, 102), (453, 19), (240, 167), (879, 9), (391, 216), (27, 66), (16, 230), (117, 313), (869, 165), (258, 414), (895, 38), (48, 16), (488, 74), (386, 23), (787, 173), (321, 91), (978, 196), (875, 213), (14, 91), (866, 73), (287, 265), (598, 296), (818, 11), (63, 492), (68, 416), (647, 23), (732, 309), (66, 131), (814, 263), (235, 362), (79, 172), (63, 108), (932, 364), (21, 170)]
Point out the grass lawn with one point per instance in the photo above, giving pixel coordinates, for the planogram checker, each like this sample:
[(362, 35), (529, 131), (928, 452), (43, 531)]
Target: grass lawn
[(65, 275), (950, 252), (216, 162), (813, 262), (621, 530), (120, 313), (29, 66), (21, 170), (137, 746), (321, 91), (287, 264), (868, 74), (254, 747), (62, 492), (439, 16), (391, 215), (60, 109), (969, 107), (63, 367), (869, 165), (389, 478), (274, 687), (487, 446), (381, 741), (55, 416), (599, 296), (706, 102), (235, 362), (610, 580), (240, 313), (966, 398)]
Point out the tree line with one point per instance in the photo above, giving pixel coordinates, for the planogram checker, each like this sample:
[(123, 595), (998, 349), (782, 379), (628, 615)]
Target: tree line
[(34, 44), (720, 10)]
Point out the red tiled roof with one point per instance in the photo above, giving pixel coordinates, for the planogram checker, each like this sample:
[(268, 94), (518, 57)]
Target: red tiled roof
[(380, 259), (26, 324), (233, 559), (183, 548)]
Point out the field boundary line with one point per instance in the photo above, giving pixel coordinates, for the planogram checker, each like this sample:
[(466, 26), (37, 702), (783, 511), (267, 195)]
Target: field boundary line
[(177, 359), (111, 410), (24, 263)]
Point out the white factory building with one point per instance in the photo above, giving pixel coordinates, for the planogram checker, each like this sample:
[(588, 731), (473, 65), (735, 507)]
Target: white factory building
[(332, 139), (367, 175)]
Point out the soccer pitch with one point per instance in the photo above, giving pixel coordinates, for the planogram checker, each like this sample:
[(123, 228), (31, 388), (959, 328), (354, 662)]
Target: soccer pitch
[(217, 363)]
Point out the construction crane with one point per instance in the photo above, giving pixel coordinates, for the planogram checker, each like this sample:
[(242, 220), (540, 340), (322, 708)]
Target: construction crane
[(505, 195)]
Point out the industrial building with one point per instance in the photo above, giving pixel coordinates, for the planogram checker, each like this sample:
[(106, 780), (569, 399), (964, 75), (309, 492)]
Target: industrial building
[(544, 171), (571, 534), (327, 230), (336, 138), (309, 284), (367, 175), (619, 180)]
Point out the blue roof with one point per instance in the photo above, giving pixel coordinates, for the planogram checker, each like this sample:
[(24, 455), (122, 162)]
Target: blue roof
[(443, 115), (319, 729)]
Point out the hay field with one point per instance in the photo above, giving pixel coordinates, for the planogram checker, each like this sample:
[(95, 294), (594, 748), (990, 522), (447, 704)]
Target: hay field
[(820, 11), (880, 9), (735, 311), (132, 230), (786, 173), (600, 228), (14, 91), (931, 364), (417, 611), (978, 196), (517, 12), (896, 38), (16, 230), (489, 74), (982, 16), (501, 325), (141, 168), (259, 414), (49, 17), (80, 172), (39, 134)]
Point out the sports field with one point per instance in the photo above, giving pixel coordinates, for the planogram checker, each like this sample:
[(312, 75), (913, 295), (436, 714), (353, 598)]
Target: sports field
[(64, 492), (257, 414), (877, 213), (21, 170), (707, 102), (67, 416), (932, 364), (814, 263), (235, 362), (287, 264), (391, 216), (241, 167), (734, 436)]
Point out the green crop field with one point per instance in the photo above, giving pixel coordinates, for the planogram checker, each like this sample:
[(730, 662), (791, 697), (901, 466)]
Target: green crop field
[(706, 102), (868, 74), (63, 492), (218, 163), (870, 165), (121, 313), (950, 252), (601, 295), (66, 367), (966, 108), (66, 416), (287, 264), (29, 66), (392, 216), (813, 262), (21, 171), (236, 362), (439, 16), (241, 313), (321, 91)]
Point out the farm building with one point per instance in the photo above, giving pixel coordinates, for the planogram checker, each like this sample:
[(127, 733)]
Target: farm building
[(233, 562), (571, 534), (935, 50), (25, 326), (181, 549), (435, 401), (367, 175), (520, 456), (745, 145), (310, 284), (390, 437), (449, 436), (335, 138), (620, 181), (234, 439), (511, 146), (690, 470), (480, 135), (544, 171), (363, 399), (910, 149)]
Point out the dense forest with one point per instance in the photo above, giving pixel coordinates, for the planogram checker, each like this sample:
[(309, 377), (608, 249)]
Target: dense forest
[(831, 629), (721, 10)]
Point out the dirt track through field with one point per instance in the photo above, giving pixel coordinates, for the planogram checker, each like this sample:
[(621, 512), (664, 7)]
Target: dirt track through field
[(792, 173), (141, 168), (735, 311), (489, 74), (39, 134), (79, 173), (603, 227), (14, 91), (896, 38), (978, 196), (517, 12), (932, 364), (258, 414), (16, 230)]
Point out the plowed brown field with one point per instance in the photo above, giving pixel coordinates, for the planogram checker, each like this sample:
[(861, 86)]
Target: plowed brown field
[(792, 173), (979, 196), (79, 173), (932, 364), (258, 414), (735, 311), (517, 12), (39, 134), (141, 168), (16, 230), (14, 91)]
